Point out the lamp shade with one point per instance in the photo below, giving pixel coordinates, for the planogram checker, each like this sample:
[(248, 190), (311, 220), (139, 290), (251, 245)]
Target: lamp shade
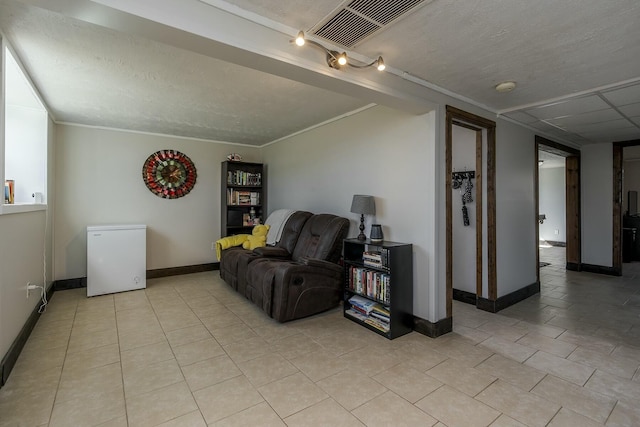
[(363, 205)]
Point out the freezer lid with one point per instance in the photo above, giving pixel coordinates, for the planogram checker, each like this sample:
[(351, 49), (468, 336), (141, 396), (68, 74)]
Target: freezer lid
[(116, 227)]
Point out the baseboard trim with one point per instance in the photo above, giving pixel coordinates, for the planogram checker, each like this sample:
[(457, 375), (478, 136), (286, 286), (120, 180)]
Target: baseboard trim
[(509, 299), (610, 271), (9, 360), (573, 266), (178, 271), (430, 329), (65, 284), (81, 282), (464, 296)]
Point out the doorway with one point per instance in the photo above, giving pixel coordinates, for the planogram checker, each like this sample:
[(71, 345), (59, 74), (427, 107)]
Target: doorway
[(483, 179), (621, 220), (546, 150)]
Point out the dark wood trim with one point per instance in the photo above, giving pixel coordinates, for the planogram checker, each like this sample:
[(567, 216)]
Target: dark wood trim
[(65, 284), (629, 143), (556, 148), (492, 263), (479, 207), (465, 296), (177, 271), (573, 213), (536, 189), (610, 271), (509, 299), (10, 358), (618, 159), (470, 118), (573, 266), (455, 116), (430, 329)]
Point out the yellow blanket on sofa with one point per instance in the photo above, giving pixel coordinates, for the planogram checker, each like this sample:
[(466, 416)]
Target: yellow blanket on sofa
[(229, 242)]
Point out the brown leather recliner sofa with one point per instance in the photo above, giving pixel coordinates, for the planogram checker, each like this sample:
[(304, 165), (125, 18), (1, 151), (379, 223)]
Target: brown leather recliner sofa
[(292, 283), (235, 261)]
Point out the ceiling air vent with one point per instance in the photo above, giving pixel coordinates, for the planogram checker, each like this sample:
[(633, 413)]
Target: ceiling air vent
[(359, 19)]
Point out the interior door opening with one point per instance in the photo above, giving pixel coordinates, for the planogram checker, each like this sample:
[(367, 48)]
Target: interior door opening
[(557, 187), (626, 219), (552, 230), (470, 210)]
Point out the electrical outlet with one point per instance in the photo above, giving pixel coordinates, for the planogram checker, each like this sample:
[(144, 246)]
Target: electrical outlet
[(556, 231), (213, 246), (31, 287)]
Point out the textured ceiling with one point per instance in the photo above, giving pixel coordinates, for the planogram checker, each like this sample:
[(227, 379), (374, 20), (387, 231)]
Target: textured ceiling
[(95, 76), (576, 64)]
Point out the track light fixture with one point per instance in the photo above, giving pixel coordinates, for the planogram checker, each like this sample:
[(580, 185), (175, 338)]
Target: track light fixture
[(336, 59)]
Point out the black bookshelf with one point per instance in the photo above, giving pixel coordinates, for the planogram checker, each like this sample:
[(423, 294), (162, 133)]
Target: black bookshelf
[(242, 191), (381, 274)]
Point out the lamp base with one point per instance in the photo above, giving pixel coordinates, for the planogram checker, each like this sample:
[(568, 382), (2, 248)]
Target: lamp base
[(361, 236)]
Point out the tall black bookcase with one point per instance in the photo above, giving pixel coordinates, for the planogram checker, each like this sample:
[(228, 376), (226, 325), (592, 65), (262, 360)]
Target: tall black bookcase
[(381, 276), (243, 197)]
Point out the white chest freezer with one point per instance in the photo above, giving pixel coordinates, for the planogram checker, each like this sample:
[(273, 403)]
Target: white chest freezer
[(116, 258)]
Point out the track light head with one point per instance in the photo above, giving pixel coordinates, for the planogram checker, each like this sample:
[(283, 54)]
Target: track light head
[(336, 59)]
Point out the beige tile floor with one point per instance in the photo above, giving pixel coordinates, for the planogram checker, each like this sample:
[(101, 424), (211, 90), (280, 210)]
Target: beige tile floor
[(188, 351)]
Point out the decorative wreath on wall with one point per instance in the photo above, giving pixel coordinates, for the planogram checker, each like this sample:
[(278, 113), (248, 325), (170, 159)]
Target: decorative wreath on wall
[(169, 174)]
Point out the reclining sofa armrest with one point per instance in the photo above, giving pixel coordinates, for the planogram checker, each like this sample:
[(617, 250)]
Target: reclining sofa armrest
[(315, 262), (272, 252)]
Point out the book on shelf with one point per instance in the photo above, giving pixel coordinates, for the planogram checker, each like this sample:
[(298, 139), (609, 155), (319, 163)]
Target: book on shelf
[(370, 283), (379, 324), (242, 198), (238, 177), (362, 303), (377, 259)]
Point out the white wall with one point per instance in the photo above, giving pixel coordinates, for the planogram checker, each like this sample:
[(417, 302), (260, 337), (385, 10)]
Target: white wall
[(464, 237), (597, 204), (552, 193), (23, 239), (516, 238), (381, 152), (99, 181)]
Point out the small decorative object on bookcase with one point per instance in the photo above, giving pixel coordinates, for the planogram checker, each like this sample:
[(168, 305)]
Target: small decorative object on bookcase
[(9, 192), (234, 157), (376, 233)]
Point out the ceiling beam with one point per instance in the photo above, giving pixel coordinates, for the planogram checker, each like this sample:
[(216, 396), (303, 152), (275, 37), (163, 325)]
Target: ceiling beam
[(207, 30)]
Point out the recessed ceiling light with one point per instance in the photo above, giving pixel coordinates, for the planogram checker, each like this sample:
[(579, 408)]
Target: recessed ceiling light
[(505, 86)]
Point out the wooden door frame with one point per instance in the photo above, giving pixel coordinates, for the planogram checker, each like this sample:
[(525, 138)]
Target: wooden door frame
[(457, 117), (618, 160), (572, 202)]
